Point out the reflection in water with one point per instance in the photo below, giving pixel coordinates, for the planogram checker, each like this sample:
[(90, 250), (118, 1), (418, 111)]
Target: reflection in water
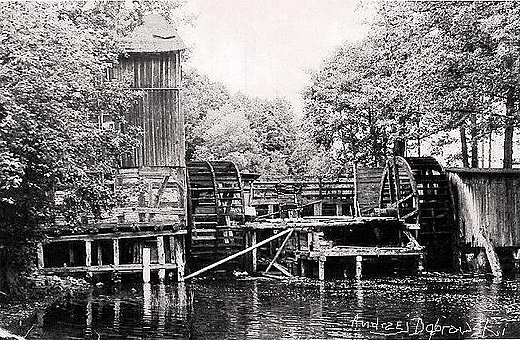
[(290, 310)]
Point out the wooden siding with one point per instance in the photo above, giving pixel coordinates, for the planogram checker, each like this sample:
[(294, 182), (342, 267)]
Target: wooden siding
[(158, 113), (487, 204), (284, 191), (368, 183), (151, 70)]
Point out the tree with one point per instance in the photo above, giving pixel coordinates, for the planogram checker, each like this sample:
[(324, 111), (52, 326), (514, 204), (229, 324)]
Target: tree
[(350, 103), (227, 135), (53, 61), (257, 134), (425, 68), (200, 95)]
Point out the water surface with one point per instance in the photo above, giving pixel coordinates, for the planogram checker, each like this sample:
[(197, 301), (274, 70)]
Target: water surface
[(436, 307)]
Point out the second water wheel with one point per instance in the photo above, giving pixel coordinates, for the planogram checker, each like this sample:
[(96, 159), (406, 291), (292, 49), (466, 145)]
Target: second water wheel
[(418, 189)]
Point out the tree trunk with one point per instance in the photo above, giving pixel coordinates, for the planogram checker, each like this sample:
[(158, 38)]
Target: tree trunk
[(399, 147), (490, 148), (509, 130), (474, 142), (464, 147)]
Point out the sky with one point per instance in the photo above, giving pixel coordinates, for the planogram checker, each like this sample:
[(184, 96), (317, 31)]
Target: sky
[(266, 48)]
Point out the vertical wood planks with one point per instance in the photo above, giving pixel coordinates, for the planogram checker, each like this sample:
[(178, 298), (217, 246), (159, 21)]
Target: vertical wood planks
[(158, 113), (488, 202)]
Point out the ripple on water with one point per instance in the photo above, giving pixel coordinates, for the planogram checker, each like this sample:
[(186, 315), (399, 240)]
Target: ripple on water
[(291, 309)]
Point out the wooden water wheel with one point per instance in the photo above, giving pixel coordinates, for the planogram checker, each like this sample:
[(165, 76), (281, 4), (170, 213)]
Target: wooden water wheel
[(215, 207), (418, 189)]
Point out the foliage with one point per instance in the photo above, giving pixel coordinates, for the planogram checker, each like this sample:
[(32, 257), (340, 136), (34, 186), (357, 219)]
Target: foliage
[(53, 93), (424, 68), (200, 95), (255, 133)]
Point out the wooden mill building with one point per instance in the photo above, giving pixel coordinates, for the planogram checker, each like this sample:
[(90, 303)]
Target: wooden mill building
[(146, 233)]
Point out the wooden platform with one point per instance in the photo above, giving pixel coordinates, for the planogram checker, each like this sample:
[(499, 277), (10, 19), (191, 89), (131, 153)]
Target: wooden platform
[(118, 252), (345, 251), (319, 238)]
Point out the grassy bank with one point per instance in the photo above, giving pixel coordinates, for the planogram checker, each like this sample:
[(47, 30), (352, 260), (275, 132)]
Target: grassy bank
[(39, 292)]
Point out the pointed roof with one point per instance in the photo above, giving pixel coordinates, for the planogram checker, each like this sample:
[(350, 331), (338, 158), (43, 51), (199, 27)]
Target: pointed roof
[(154, 35)]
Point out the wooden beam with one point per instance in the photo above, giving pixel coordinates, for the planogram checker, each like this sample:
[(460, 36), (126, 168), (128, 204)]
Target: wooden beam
[(359, 267), (240, 253), (279, 251), (115, 246), (318, 208), (41, 262), (179, 254), (146, 265), (88, 253), (160, 191), (117, 235), (321, 268), (282, 269), (339, 209), (107, 268), (254, 253)]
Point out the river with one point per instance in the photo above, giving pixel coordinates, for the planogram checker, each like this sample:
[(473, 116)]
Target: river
[(429, 307)]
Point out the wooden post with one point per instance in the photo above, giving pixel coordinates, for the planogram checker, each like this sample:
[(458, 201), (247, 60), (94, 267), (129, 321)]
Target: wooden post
[(89, 313), (99, 253), (115, 246), (254, 252), (318, 208), (88, 253), (357, 213), (309, 240), (321, 268), (179, 256), (516, 257), (161, 257), (182, 300), (303, 268), (117, 313), (147, 296), (171, 239), (359, 267), (146, 265), (41, 262), (161, 297), (420, 265), (315, 240), (339, 209)]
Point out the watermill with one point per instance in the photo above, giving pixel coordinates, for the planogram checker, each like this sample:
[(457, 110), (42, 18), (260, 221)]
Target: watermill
[(417, 190), (215, 208)]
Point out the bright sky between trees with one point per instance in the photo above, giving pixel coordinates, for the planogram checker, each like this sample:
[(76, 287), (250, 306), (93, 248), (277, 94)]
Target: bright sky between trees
[(266, 48)]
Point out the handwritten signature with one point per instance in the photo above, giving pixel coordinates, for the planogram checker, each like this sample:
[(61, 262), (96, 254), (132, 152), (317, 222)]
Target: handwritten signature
[(416, 326)]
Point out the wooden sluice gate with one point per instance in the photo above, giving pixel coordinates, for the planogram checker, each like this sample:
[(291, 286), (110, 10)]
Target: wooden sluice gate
[(488, 219)]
